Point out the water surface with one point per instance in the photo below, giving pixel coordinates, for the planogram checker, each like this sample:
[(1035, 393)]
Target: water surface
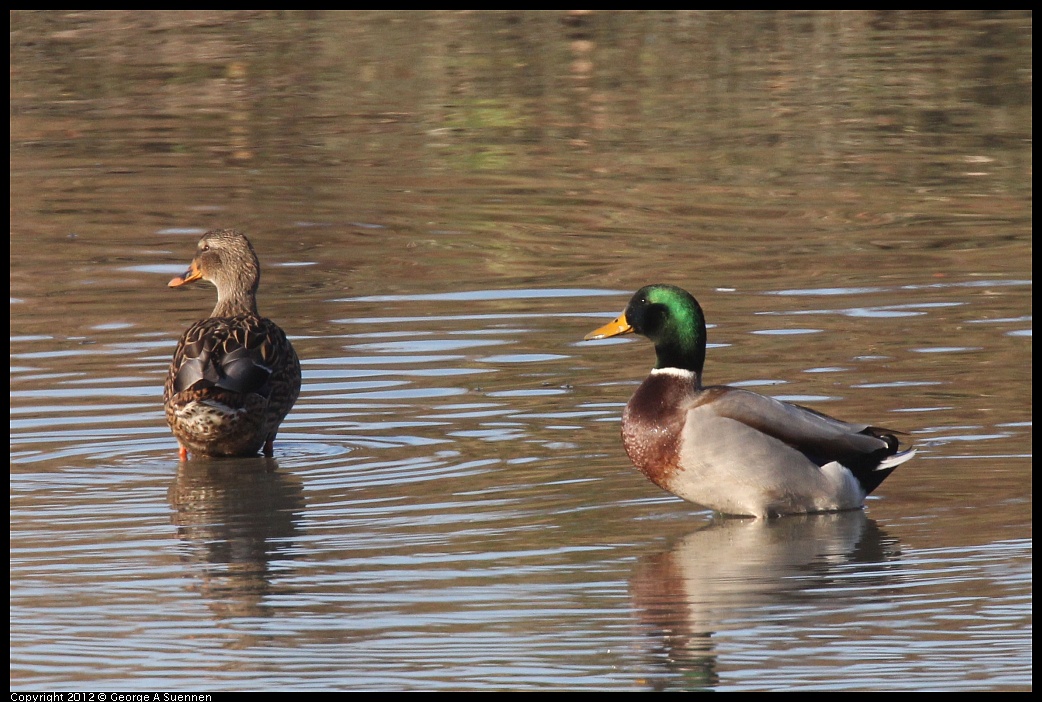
[(444, 204)]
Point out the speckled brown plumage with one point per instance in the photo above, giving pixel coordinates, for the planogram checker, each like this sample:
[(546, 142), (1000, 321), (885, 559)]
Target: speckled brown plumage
[(235, 375)]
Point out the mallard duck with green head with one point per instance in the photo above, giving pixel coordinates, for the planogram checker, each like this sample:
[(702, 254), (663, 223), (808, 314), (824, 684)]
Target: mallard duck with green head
[(732, 450), (235, 375)]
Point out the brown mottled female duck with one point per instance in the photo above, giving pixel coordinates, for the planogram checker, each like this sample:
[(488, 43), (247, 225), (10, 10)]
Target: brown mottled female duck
[(732, 450), (235, 375)]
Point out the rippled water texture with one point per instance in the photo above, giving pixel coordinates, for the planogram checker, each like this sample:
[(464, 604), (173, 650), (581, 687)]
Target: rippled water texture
[(443, 205)]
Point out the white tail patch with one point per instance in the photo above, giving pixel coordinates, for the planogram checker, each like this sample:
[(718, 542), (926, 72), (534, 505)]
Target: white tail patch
[(896, 460)]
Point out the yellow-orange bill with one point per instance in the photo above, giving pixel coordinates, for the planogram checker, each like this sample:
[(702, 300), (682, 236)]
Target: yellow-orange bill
[(613, 328), (193, 273)]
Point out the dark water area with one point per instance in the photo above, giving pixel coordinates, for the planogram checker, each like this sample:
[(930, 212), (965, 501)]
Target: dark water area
[(444, 204)]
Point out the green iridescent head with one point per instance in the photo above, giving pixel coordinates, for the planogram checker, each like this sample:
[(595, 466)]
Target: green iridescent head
[(672, 318)]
